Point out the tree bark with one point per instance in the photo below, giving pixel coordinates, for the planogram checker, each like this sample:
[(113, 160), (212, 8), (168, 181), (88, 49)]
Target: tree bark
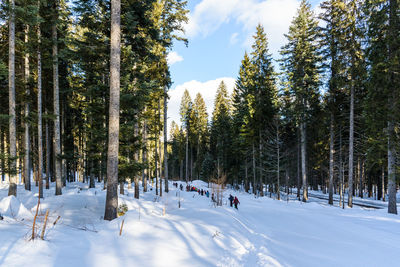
[(303, 160), (254, 170), (260, 164), (393, 101), (12, 190), (331, 159), (144, 156), (136, 158), (166, 139), (47, 155), (277, 162), (351, 148), (40, 133), (27, 137), (187, 155), (113, 127), (383, 184), (298, 165), (56, 98)]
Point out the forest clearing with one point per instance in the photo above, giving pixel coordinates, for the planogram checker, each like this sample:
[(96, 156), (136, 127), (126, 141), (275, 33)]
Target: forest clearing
[(262, 232)]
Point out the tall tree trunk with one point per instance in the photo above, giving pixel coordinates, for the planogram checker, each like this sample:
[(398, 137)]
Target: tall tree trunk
[(303, 160), (362, 179), (56, 98), (166, 139), (277, 162), (254, 170), (187, 155), (2, 152), (331, 159), (260, 146), (113, 126), (351, 147), (136, 158), (383, 183), (47, 154), (12, 190), (40, 137), (298, 166), (156, 162), (393, 101), (27, 137), (144, 157)]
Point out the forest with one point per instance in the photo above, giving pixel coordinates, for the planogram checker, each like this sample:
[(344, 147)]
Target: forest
[(84, 97), (326, 119)]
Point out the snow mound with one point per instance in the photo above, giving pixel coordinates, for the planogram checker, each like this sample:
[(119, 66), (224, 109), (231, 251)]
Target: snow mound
[(10, 206), (198, 184)]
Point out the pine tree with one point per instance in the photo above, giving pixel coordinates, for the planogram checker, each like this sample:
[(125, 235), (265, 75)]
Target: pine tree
[(185, 110), (221, 131), (301, 62)]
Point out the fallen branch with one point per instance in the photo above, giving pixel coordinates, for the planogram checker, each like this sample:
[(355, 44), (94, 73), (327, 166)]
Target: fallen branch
[(122, 225), (34, 219)]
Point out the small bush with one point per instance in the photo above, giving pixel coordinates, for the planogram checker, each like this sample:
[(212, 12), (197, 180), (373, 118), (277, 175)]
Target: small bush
[(122, 209)]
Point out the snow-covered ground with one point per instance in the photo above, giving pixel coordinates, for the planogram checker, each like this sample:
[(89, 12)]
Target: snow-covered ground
[(263, 232)]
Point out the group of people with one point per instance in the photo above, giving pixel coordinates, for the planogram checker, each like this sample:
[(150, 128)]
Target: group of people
[(233, 201), (199, 191)]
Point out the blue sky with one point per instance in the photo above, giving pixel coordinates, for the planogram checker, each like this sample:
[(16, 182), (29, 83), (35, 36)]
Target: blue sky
[(219, 32)]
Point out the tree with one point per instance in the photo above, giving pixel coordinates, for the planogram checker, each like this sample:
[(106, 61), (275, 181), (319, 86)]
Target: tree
[(221, 131), (56, 99), (185, 110), (301, 65), (113, 130), (11, 89)]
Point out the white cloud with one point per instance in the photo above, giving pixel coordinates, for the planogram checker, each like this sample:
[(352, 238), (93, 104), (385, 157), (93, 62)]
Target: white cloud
[(207, 89), (234, 38), (174, 57), (274, 15)]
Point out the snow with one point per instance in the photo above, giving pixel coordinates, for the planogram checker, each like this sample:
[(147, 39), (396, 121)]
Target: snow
[(263, 232)]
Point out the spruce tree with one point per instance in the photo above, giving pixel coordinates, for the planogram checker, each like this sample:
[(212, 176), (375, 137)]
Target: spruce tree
[(301, 63)]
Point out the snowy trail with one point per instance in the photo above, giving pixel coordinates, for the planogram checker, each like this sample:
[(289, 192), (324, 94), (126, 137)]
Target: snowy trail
[(263, 232)]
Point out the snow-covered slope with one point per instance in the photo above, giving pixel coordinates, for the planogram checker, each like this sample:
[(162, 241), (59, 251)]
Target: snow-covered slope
[(263, 232)]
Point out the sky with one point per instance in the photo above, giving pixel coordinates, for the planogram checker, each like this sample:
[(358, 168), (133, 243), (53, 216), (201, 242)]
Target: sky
[(219, 33)]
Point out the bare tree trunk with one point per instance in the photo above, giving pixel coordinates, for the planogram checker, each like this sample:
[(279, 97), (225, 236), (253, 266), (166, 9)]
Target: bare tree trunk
[(159, 147), (392, 185), (40, 129), (136, 158), (254, 170), (166, 139), (12, 190), (56, 97), (298, 166), (351, 147), (187, 156), (27, 137), (303, 160), (331, 159), (156, 162), (113, 130), (144, 156), (383, 184), (393, 102), (277, 161), (47, 155), (3, 151), (260, 164)]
